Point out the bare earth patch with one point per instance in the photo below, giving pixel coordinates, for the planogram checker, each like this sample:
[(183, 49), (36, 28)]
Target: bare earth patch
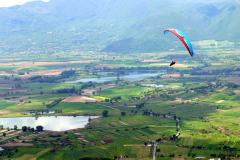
[(89, 92), (92, 91), (17, 145), (151, 60), (233, 52), (48, 73), (4, 73), (220, 101), (31, 64), (2, 113), (233, 79), (43, 73), (133, 145), (105, 66), (181, 65), (180, 101), (174, 75), (237, 92), (178, 158), (81, 99)]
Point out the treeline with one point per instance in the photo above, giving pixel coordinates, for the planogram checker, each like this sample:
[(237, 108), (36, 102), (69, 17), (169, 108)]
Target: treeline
[(72, 90), (68, 74), (54, 103), (30, 129), (114, 99)]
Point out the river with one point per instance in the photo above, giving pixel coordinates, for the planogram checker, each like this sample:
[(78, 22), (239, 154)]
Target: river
[(130, 77)]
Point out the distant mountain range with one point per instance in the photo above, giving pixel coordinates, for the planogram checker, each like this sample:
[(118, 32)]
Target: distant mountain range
[(114, 25)]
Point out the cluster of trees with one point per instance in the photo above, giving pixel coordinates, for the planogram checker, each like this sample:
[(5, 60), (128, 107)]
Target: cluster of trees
[(68, 74), (105, 113), (140, 105), (88, 85), (123, 113), (72, 90), (154, 114), (114, 99), (44, 79), (30, 129)]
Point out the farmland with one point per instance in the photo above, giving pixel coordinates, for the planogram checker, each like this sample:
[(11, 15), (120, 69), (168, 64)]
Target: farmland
[(191, 110)]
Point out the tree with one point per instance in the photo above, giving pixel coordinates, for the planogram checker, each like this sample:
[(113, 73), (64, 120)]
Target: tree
[(89, 119), (105, 113), (145, 144), (141, 105), (15, 127), (107, 100), (39, 128), (123, 113), (24, 128)]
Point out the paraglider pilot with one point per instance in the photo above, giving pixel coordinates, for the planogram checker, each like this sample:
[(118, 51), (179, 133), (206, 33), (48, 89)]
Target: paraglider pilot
[(172, 63)]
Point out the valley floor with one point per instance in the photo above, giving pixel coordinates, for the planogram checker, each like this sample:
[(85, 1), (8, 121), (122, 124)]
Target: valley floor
[(186, 112)]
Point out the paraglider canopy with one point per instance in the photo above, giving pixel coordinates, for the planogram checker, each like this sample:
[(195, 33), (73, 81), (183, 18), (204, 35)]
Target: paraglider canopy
[(183, 38)]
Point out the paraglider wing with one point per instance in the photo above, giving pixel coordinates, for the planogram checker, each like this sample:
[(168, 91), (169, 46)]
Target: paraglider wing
[(183, 38)]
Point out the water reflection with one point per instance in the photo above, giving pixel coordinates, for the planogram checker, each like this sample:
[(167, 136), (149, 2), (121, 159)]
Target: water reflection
[(52, 123), (132, 77)]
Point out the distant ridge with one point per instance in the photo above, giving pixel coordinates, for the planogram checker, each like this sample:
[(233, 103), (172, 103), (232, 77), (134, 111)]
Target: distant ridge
[(113, 25)]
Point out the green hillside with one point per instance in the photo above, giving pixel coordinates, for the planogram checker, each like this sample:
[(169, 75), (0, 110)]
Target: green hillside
[(113, 25)]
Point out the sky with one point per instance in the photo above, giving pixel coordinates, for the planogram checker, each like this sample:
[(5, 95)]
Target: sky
[(9, 3)]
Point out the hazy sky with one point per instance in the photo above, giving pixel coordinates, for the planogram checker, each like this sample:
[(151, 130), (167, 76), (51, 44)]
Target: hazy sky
[(9, 3)]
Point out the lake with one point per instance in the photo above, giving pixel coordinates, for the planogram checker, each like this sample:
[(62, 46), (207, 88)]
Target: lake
[(51, 123), (130, 77)]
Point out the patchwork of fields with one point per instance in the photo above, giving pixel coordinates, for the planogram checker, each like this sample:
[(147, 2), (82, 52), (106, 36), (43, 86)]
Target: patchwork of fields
[(191, 110)]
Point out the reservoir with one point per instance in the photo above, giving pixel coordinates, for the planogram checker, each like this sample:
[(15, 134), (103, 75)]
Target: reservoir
[(51, 123)]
